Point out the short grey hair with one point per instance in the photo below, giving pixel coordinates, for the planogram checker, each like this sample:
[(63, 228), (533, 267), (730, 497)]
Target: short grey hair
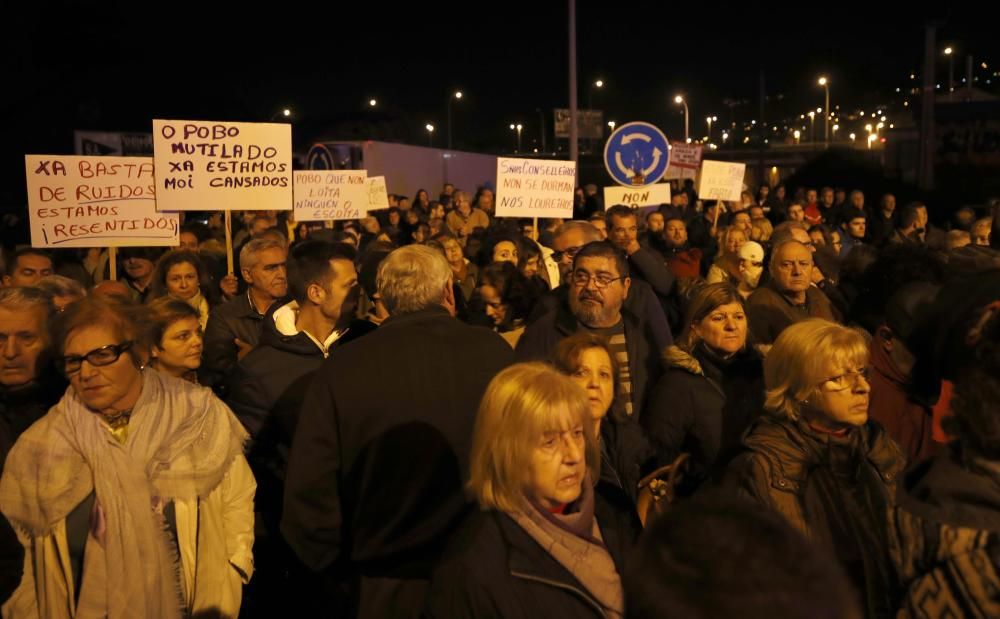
[(248, 255), (24, 298), (413, 278), (60, 286), (590, 232)]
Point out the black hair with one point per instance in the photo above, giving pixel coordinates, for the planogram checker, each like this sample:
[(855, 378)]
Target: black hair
[(603, 249), (309, 263)]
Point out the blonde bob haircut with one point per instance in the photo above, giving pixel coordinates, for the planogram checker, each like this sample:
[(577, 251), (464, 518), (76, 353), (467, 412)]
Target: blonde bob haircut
[(803, 356), (521, 404)]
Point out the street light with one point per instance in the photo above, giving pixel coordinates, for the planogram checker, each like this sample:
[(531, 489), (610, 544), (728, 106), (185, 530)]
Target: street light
[(284, 112), (951, 70), (871, 138), (852, 136), (430, 134), (457, 95), (680, 100), (612, 124), (825, 83), (796, 135), (372, 102), (835, 128), (812, 126), (710, 120), (517, 128)]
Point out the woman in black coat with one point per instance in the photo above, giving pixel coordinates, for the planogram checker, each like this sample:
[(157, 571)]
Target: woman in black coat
[(536, 548), (712, 388)]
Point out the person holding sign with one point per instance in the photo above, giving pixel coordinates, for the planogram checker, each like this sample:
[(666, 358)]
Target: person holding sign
[(132, 494)]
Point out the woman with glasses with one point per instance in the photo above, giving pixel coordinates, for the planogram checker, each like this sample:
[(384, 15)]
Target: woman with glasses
[(815, 457), (132, 495), (535, 547)]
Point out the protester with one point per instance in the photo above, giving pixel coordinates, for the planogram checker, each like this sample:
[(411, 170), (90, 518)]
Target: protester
[(29, 386), (534, 458), (816, 458), (788, 297), (626, 454), (63, 290), (683, 260), (943, 530), (234, 327), (26, 267), (138, 265), (360, 442), (177, 339), (712, 388), (181, 275), (139, 476), (751, 267), (595, 302), (465, 218), (726, 265)]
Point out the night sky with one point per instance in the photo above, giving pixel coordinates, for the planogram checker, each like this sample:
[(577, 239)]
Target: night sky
[(112, 66)]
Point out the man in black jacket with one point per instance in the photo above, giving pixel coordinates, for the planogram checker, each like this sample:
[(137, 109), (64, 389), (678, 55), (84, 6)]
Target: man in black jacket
[(269, 383), (375, 477), (595, 301), (234, 327), (29, 386)]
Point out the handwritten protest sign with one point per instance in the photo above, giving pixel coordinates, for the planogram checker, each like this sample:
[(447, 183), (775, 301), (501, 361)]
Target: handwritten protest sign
[(637, 197), (378, 197), (95, 202), (322, 195), (685, 155), (211, 166), (535, 188), (721, 180)]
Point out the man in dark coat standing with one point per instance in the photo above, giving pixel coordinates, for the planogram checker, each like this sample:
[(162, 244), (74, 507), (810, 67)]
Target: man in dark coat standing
[(29, 386), (375, 477), (595, 301)]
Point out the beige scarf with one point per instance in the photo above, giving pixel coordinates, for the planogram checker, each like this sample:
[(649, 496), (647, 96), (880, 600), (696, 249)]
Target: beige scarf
[(181, 442), (574, 540), (199, 303)]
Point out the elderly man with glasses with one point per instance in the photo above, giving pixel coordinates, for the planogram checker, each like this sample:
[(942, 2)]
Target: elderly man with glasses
[(597, 286)]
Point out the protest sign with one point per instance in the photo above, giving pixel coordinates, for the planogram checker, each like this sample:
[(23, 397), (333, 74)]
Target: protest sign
[(535, 188), (330, 195), (95, 202), (721, 180)]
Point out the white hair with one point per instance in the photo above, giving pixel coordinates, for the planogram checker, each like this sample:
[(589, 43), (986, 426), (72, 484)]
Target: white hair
[(413, 278)]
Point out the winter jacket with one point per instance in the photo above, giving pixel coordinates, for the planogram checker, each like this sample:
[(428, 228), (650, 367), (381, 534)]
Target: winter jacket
[(701, 406)]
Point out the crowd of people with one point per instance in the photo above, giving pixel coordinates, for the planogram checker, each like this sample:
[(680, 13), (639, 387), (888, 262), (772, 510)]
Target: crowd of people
[(785, 406)]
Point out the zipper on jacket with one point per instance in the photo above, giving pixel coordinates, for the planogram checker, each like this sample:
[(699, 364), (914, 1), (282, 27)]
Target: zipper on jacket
[(563, 586)]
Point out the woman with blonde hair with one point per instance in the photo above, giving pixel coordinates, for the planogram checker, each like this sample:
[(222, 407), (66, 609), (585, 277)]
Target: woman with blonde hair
[(726, 267), (131, 497), (535, 549), (815, 457)]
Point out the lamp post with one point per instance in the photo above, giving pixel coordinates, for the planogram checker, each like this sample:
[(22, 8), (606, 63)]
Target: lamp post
[(457, 95), (430, 134), (517, 128), (825, 83), (710, 120), (948, 51), (680, 100)]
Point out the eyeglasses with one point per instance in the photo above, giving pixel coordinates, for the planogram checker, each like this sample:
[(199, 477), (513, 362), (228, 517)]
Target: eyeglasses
[(847, 380), (569, 252), (582, 279), (99, 357)]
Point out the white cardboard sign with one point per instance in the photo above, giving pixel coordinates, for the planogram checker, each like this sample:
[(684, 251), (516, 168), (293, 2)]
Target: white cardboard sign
[(535, 188), (213, 166), (637, 197), (721, 180), (324, 195), (78, 201)]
